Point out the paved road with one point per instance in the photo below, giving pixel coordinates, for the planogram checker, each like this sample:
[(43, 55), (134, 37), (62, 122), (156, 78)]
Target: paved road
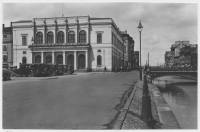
[(68, 102)]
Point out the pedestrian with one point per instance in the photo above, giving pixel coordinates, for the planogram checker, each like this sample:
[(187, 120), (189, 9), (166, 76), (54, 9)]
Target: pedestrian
[(121, 69), (104, 69)]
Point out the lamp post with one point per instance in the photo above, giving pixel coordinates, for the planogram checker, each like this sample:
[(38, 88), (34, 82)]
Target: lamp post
[(140, 30), (32, 42), (148, 59)]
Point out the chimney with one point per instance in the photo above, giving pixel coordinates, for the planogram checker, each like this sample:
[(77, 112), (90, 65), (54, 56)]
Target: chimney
[(126, 31)]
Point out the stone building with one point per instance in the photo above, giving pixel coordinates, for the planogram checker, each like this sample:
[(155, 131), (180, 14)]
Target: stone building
[(81, 41), (7, 46), (129, 49), (136, 60)]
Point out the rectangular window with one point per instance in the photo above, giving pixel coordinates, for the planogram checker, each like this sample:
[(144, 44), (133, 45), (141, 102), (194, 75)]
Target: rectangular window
[(4, 58), (24, 52), (4, 48), (98, 50), (24, 40), (99, 38), (4, 36)]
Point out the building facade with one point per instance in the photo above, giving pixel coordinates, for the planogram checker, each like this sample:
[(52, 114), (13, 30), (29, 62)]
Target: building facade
[(136, 60), (182, 54), (129, 49), (7, 46), (168, 59), (80, 41)]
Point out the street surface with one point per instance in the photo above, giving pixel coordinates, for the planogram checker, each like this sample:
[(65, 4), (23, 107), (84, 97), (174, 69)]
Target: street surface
[(82, 101)]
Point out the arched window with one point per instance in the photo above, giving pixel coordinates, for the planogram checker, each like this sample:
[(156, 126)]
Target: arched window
[(50, 37), (60, 38), (38, 59), (99, 60), (49, 59), (24, 60), (59, 59), (82, 36), (71, 37), (39, 38), (70, 60)]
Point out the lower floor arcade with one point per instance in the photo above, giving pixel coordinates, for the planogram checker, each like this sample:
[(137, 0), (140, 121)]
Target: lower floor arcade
[(77, 59)]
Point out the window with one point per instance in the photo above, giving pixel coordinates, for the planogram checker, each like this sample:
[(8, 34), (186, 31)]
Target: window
[(39, 38), (71, 37), (4, 58), (82, 37), (98, 50), (50, 37), (38, 59), (24, 40), (99, 38), (4, 36), (98, 60), (49, 59), (4, 48), (24, 52), (60, 38), (24, 60)]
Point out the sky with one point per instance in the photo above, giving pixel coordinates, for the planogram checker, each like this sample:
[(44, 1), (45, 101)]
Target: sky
[(163, 23)]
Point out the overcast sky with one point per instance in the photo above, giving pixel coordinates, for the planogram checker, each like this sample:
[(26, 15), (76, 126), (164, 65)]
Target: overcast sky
[(164, 23)]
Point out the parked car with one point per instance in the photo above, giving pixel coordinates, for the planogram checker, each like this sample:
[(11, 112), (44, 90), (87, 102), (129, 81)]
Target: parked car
[(6, 74), (69, 69), (28, 70), (50, 69), (5, 65), (59, 69)]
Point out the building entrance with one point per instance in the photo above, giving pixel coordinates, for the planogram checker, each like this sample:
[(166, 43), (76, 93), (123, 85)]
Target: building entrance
[(81, 62), (70, 60)]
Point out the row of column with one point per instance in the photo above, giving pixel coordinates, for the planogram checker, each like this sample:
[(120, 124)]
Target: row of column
[(64, 53)]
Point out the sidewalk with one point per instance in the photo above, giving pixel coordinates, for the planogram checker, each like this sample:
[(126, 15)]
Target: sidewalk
[(130, 117)]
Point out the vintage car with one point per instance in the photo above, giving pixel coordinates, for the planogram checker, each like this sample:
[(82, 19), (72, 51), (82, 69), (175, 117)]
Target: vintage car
[(59, 69), (6, 74), (28, 70), (50, 69), (70, 69), (5, 65)]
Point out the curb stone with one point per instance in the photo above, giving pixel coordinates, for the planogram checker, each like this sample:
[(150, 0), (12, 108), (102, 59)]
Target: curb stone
[(124, 110)]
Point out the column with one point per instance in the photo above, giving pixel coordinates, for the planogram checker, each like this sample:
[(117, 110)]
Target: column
[(42, 55), (63, 57), (75, 68), (86, 61), (52, 57), (55, 35)]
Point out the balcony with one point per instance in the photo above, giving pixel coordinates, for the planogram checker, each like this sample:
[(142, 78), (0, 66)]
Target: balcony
[(59, 46)]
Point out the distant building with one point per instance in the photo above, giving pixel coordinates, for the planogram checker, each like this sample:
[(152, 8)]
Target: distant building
[(80, 41), (175, 48), (7, 46), (136, 59), (168, 59), (188, 56), (129, 43), (182, 54)]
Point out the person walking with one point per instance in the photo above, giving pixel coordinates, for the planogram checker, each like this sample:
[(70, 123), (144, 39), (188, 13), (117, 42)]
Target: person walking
[(121, 69), (104, 69)]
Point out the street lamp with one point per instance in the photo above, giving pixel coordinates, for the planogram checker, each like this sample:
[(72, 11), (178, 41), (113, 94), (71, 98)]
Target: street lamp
[(140, 30)]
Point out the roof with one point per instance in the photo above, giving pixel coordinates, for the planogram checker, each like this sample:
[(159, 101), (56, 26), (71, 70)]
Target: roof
[(7, 29), (22, 21)]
